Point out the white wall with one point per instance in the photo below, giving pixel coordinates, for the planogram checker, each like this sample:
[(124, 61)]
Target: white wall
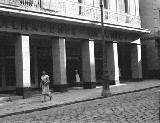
[(158, 4), (117, 5)]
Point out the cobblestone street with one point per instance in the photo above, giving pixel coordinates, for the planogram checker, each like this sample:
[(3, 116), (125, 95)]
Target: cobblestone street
[(137, 107)]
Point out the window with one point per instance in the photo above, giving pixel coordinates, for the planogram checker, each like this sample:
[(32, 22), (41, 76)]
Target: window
[(106, 4), (80, 7), (126, 6), (79, 1)]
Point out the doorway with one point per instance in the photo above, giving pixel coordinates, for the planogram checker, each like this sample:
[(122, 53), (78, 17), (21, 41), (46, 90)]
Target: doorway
[(72, 65), (124, 58), (73, 53), (45, 62)]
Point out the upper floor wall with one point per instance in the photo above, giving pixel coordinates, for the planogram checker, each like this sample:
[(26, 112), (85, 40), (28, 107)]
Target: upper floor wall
[(150, 15), (157, 11), (123, 6), (117, 12)]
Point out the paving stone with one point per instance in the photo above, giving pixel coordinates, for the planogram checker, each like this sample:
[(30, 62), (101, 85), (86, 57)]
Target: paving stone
[(142, 107)]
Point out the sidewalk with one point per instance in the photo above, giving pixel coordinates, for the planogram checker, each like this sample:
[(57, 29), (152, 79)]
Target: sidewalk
[(74, 95)]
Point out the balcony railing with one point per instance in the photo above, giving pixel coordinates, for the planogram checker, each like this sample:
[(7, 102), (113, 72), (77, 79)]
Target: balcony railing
[(74, 9)]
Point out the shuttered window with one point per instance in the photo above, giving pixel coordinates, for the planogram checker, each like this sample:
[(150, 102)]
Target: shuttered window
[(106, 4), (126, 6)]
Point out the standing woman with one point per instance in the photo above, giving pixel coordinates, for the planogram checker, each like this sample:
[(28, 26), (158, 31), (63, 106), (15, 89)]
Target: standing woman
[(45, 85), (77, 76)]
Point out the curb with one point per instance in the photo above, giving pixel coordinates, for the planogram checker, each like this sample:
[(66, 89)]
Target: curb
[(74, 102)]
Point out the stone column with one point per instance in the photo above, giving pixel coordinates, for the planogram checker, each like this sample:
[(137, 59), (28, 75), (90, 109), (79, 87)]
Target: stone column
[(88, 64), (112, 62), (112, 5), (22, 63), (132, 7), (136, 63), (59, 64), (137, 7)]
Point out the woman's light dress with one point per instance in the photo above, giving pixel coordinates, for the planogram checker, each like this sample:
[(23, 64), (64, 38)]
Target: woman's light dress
[(77, 78), (45, 84)]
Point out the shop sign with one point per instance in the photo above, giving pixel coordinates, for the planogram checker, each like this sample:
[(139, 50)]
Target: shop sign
[(29, 26), (35, 27)]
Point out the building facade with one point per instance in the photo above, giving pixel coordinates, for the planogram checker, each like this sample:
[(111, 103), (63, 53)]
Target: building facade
[(150, 16), (61, 36)]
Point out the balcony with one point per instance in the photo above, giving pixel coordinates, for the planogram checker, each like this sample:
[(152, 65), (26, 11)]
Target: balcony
[(67, 8)]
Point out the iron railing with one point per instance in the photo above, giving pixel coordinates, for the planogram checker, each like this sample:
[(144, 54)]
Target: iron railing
[(74, 9)]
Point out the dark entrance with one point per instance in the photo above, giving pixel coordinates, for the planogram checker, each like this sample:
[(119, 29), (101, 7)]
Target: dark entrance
[(45, 62), (98, 62), (10, 74), (73, 53), (124, 58), (144, 63), (7, 61), (72, 65)]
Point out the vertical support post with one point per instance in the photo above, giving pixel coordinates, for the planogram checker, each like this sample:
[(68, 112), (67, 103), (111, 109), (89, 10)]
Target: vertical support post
[(106, 89), (136, 62), (22, 63), (112, 63), (59, 64), (88, 64)]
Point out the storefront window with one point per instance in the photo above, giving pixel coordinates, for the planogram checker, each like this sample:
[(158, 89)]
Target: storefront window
[(1, 57), (157, 43), (32, 68), (10, 74), (98, 60)]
